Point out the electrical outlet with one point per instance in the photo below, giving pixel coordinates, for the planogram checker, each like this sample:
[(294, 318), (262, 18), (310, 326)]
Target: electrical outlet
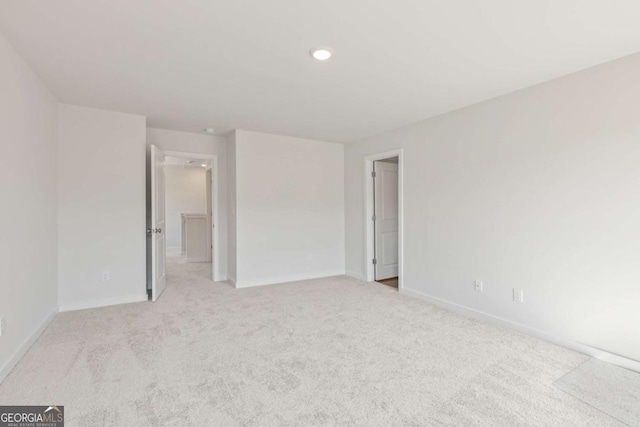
[(479, 286), (106, 276), (518, 295)]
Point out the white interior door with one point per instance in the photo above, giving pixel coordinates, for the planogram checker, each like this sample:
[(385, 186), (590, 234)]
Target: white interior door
[(158, 224), (210, 225), (386, 219)]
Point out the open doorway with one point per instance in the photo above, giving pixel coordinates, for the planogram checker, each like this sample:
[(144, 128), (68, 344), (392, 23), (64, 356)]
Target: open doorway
[(383, 197), (188, 209), (385, 221), (182, 212)]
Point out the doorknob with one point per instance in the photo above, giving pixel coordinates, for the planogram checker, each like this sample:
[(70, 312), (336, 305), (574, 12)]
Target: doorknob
[(158, 230)]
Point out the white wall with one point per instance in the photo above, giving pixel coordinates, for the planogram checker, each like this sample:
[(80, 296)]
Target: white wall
[(537, 190), (188, 142), (101, 207), (290, 208), (185, 192), (28, 177)]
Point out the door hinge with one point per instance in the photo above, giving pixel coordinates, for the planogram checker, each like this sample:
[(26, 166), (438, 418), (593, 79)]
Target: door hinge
[(373, 218), (375, 261), (373, 174)]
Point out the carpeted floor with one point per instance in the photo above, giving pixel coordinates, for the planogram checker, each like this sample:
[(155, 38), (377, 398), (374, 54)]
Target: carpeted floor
[(321, 352), (612, 389)]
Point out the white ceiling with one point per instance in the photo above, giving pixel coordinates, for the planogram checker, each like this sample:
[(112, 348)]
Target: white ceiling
[(244, 64)]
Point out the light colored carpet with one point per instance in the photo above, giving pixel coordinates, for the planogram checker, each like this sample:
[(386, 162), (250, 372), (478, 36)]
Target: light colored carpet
[(612, 389), (333, 351)]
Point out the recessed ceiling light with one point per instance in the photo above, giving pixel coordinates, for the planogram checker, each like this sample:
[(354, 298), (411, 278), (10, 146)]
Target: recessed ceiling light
[(203, 165), (190, 161), (209, 130), (321, 53)]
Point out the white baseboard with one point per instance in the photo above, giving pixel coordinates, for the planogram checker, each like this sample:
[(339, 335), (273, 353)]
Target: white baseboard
[(286, 279), (104, 302), (356, 275), (221, 278), (596, 353), (26, 344)]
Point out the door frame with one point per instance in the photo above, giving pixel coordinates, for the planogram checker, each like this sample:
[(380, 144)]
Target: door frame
[(369, 209), (215, 189)]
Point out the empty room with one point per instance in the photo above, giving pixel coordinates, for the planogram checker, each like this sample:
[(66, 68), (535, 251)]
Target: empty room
[(335, 213)]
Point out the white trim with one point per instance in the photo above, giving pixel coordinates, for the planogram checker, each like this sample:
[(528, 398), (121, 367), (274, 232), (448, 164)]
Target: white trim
[(368, 213), (215, 188), (287, 279), (103, 302), (356, 275), (24, 347), (545, 336)]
